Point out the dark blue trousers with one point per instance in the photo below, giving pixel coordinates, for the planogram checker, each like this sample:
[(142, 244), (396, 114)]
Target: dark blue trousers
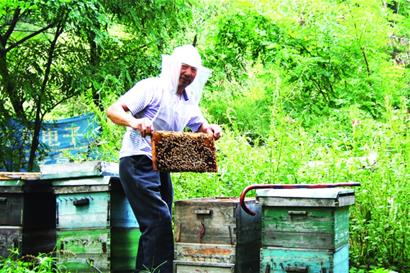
[(150, 194)]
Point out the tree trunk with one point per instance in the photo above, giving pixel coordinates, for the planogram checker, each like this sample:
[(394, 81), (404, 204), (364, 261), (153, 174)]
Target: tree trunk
[(39, 117), (35, 142), (95, 65), (10, 88)]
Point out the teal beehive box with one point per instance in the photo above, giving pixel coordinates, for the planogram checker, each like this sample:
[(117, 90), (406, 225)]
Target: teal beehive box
[(305, 230), (95, 226)]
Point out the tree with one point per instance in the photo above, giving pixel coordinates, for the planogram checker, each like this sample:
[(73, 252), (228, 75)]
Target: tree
[(41, 59), (51, 51)]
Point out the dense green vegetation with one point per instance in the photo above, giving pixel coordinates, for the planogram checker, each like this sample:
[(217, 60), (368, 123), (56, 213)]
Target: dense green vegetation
[(28, 264), (307, 91)]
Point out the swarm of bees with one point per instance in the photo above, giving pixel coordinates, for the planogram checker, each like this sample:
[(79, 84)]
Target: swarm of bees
[(183, 152)]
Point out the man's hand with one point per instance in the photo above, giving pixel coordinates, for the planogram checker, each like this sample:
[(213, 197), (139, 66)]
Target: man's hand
[(143, 125), (213, 129), (117, 113)]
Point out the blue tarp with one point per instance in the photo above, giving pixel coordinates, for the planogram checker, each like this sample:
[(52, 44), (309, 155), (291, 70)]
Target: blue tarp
[(67, 138), (61, 141)]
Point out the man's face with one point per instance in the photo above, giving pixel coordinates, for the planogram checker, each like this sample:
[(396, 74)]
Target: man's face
[(187, 75)]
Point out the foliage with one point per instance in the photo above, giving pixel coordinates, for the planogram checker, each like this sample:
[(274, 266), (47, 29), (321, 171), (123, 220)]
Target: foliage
[(42, 263), (68, 51), (279, 127), (347, 146), (331, 59), (322, 102), (374, 270), (41, 59), (307, 92)]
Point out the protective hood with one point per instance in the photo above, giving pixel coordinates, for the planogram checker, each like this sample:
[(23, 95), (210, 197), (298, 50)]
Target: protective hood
[(171, 67)]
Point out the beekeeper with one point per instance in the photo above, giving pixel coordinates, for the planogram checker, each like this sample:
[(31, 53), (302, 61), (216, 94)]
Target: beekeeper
[(170, 103)]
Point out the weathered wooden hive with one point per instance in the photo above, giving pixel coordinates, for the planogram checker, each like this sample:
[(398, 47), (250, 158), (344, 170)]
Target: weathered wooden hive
[(27, 210), (183, 152), (95, 225), (305, 230), (215, 235)]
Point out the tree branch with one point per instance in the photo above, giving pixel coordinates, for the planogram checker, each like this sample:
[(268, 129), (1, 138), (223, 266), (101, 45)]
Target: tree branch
[(49, 109), (365, 60), (13, 23), (30, 36)]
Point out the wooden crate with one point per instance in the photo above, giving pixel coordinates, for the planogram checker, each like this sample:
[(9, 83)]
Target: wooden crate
[(28, 204), (198, 267), (32, 242), (308, 219), (27, 210), (10, 238), (209, 253), (11, 209), (296, 260), (216, 221), (216, 231)]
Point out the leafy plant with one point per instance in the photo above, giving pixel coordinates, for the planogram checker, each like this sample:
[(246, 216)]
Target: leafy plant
[(15, 263)]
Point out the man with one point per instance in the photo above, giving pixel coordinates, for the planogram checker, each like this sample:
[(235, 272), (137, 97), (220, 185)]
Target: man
[(170, 103)]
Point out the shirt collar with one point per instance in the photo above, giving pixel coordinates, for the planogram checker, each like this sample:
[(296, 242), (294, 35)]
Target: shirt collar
[(185, 95)]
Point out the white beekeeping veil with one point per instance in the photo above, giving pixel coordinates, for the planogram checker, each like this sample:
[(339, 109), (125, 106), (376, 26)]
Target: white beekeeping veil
[(171, 67)]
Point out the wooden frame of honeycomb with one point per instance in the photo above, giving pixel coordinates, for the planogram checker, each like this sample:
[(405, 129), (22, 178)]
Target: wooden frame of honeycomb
[(183, 152)]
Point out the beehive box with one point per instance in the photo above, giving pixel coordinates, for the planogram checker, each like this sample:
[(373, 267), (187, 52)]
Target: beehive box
[(305, 230), (96, 227), (27, 210), (215, 235), (201, 267), (183, 152), (79, 250), (305, 218), (293, 260)]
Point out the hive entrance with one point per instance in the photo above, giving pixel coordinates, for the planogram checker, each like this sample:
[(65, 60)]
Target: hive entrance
[(183, 152)]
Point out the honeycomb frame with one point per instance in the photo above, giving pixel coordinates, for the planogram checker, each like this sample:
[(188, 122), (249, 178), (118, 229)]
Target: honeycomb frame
[(183, 152)]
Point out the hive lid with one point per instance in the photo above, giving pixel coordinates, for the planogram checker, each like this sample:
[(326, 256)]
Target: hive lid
[(212, 201), (7, 176), (77, 170), (20, 182), (325, 197), (13, 182)]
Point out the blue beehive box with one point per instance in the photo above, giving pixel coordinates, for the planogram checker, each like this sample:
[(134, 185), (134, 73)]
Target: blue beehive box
[(96, 227)]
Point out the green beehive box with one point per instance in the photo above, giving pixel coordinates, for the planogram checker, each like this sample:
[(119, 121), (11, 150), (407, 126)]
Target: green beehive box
[(305, 218), (96, 228), (295, 260), (79, 250), (124, 247), (108, 250)]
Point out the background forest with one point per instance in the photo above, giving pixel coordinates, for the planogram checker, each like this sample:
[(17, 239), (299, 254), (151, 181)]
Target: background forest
[(308, 91)]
